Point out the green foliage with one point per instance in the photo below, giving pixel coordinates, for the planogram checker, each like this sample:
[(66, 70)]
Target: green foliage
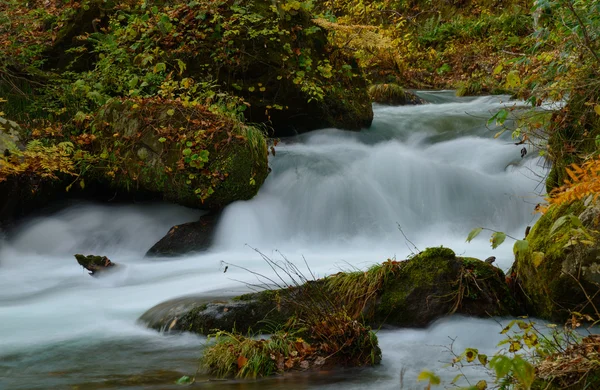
[(358, 290), (234, 355), (430, 377)]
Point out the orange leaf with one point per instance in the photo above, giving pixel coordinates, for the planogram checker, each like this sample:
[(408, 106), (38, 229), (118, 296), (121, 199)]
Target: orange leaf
[(241, 361)]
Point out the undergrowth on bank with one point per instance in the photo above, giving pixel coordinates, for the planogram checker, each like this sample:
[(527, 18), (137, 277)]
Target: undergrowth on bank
[(322, 332)]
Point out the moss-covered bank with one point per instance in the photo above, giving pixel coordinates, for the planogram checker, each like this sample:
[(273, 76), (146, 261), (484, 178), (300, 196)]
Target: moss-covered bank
[(558, 270)]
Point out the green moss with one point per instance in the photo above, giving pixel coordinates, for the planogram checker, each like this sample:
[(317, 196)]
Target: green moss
[(425, 277), (549, 292), (188, 155)]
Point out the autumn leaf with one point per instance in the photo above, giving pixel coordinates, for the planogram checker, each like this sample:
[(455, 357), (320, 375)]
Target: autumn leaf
[(241, 362)]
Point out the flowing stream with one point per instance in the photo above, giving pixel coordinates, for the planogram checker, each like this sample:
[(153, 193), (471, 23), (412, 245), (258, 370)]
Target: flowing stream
[(334, 198)]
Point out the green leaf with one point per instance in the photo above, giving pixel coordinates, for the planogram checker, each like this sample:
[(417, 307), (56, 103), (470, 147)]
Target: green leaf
[(162, 140), (501, 364), (557, 224), (82, 184), (185, 380), (160, 67), (133, 82), (481, 385), (523, 371), (429, 376), (520, 246), (203, 155), (574, 220), (187, 151), (171, 112), (497, 239), (474, 233), (181, 66), (456, 378)]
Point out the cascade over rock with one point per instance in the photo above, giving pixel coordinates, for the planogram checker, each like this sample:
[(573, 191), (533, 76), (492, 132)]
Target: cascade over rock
[(187, 238)]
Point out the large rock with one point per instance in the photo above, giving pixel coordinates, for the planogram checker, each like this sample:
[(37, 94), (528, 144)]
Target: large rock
[(558, 273), (186, 155), (275, 57), (411, 293), (187, 237), (436, 283)]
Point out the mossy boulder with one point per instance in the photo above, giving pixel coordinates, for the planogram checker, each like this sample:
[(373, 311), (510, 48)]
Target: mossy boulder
[(433, 284), (186, 154), (557, 271), (392, 95), (94, 264), (437, 283), (273, 56), (258, 312)]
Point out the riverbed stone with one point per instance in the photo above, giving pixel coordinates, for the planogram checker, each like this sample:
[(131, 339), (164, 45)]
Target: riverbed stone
[(95, 264), (187, 238)]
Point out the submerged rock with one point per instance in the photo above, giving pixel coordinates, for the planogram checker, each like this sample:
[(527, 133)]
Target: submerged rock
[(414, 292), (187, 237), (558, 272), (251, 312), (94, 264)]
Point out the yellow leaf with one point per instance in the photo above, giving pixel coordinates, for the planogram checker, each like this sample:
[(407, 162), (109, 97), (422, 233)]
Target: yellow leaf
[(481, 385), (515, 346), (513, 80), (597, 109)]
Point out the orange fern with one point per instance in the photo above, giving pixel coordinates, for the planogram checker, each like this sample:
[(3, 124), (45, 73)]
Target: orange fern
[(583, 180)]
